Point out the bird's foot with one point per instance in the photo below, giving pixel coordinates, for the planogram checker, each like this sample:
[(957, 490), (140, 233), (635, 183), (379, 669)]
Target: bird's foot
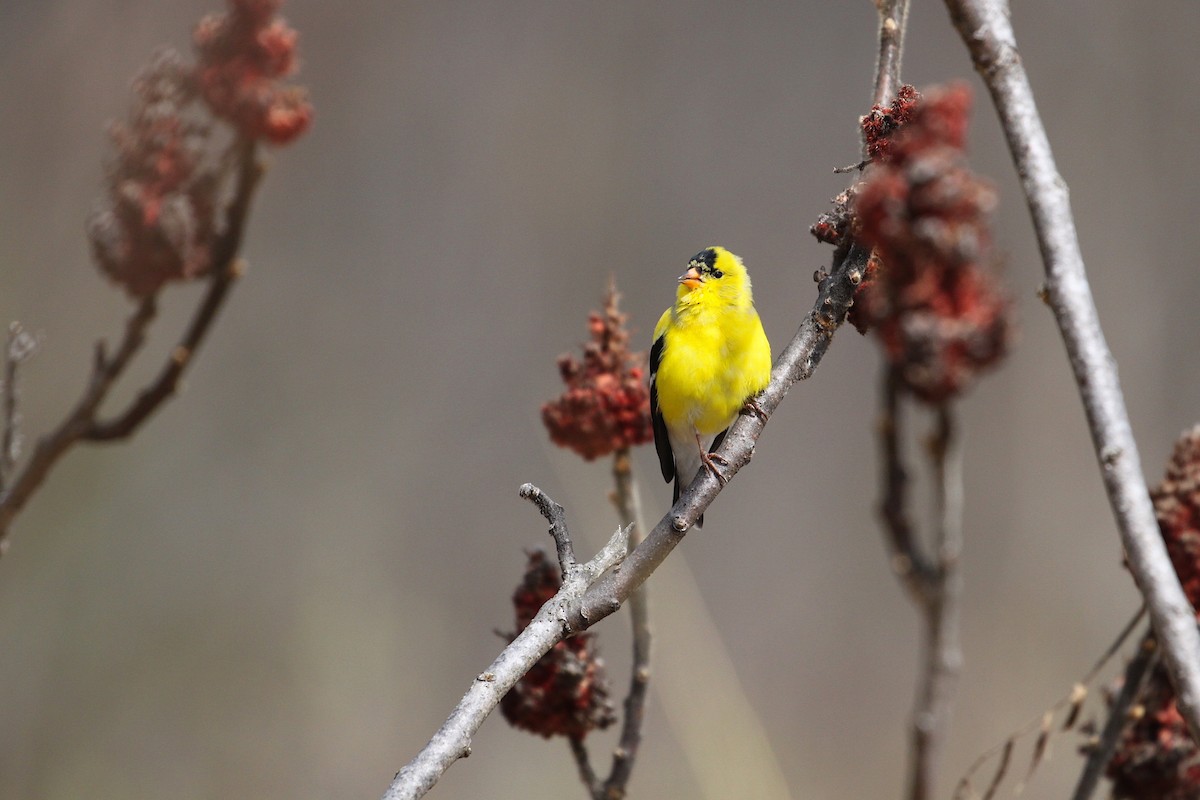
[(711, 460), (751, 406)]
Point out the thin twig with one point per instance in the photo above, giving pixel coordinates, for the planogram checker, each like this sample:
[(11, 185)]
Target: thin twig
[(51, 447), (81, 423), (7, 454), (1070, 700), (1137, 672), (942, 651), (986, 29), (557, 517), (893, 21)]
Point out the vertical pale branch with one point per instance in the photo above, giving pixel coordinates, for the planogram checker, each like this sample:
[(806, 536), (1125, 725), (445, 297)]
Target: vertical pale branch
[(987, 32)]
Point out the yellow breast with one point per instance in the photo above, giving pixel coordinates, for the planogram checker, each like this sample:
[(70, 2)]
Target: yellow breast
[(712, 360)]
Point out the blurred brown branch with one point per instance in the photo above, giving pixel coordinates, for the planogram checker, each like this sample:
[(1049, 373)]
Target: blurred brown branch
[(226, 269), (83, 423), (986, 30), (935, 584), (629, 508)]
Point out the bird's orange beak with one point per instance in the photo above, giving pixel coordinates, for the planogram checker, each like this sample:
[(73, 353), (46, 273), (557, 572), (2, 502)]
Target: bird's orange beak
[(691, 278)]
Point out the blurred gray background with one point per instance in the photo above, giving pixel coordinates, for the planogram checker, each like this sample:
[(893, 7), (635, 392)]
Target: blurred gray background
[(285, 582)]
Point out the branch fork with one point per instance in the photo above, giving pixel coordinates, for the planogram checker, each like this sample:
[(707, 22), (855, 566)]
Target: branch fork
[(549, 626)]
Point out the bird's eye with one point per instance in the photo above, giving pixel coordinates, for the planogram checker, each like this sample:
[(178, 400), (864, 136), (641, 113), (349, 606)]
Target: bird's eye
[(716, 273)]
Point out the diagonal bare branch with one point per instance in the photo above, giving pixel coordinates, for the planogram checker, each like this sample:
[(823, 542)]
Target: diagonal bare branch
[(986, 29), (835, 294)]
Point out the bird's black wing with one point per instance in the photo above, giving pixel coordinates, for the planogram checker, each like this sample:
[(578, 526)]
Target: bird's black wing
[(666, 459)]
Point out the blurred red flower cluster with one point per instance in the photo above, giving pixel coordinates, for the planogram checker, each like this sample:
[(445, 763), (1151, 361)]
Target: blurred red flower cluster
[(243, 55), (157, 222), (930, 293), (883, 121), (1157, 758), (160, 216), (606, 406)]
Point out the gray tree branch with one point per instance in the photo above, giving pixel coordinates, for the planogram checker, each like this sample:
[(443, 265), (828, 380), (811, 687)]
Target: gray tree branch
[(986, 29)]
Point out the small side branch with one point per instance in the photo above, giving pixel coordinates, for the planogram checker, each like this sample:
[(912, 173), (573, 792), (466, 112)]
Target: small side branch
[(52, 446), (587, 774), (986, 29), (629, 508), (557, 518)]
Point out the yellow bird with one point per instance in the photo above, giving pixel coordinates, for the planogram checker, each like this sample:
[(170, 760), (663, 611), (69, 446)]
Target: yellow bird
[(709, 359)]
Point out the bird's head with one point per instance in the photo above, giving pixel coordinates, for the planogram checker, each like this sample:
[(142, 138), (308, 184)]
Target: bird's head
[(714, 275)]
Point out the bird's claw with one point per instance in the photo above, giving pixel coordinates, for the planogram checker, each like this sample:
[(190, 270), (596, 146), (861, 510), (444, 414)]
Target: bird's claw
[(751, 406), (711, 460)]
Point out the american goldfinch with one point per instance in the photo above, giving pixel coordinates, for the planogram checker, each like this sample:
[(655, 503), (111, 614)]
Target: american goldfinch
[(709, 358)]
